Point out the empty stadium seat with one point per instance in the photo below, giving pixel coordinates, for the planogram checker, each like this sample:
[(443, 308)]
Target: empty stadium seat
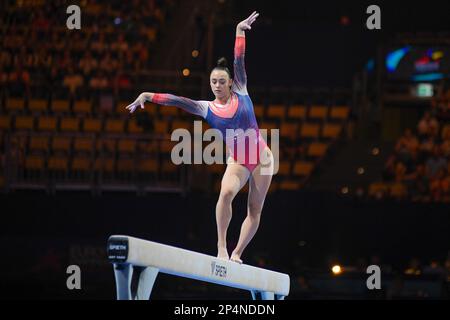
[(38, 143), (330, 130), (317, 149), (15, 104), (58, 105), (302, 168), (47, 123), (114, 126), (39, 105), (318, 112), (339, 112), (310, 130), (297, 112), (70, 124), (82, 106), (276, 112), (92, 125), (61, 144), (24, 123)]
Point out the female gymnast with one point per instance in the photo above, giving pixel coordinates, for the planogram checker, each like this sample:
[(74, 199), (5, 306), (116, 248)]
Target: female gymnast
[(232, 109)]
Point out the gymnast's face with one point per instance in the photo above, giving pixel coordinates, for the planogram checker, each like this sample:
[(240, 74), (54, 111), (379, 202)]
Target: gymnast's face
[(220, 84)]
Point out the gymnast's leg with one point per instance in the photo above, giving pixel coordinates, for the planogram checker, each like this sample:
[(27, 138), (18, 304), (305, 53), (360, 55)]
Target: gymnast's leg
[(233, 180), (258, 186)]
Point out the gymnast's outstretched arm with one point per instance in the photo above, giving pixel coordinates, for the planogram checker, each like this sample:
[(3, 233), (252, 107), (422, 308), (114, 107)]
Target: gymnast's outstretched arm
[(240, 76), (199, 108)]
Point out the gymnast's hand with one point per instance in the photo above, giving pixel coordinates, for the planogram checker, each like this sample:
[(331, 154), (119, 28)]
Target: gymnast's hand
[(246, 24), (140, 101)]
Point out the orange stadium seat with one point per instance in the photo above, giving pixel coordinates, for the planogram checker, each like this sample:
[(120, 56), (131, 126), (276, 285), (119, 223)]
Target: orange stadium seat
[(133, 127), (82, 106), (81, 164), (38, 143), (310, 130), (24, 123), (330, 130), (60, 105), (70, 124), (276, 112), (297, 112), (318, 112), (92, 125), (259, 111), (61, 144), (14, 104), (39, 105), (5, 122), (34, 162), (114, 126), (290, 185), (339, 112), (83, 145), (58, 163), (47, 123), (302, 168), (161, 126), (126, 146), (289, 130), (317, 149), (148, 165), (168, 111), (125, 165)]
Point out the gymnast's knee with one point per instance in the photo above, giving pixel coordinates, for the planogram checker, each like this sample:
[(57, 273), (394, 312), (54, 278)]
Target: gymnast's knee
[(254, 210), (227, 195)]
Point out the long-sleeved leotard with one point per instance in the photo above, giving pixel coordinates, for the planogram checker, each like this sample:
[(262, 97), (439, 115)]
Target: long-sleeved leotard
[(238, 114)]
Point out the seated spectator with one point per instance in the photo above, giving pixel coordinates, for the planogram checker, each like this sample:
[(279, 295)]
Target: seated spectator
[(99, 81), (427, 122), (406, 146), (72, 80), (439, 185), (436, 162), (419, 184), (99, 45), (108, 64), (87, 64), (19, 81), (120, 44)]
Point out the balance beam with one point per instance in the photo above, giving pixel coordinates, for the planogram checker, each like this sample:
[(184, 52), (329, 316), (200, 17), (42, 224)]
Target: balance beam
[(128, 253)]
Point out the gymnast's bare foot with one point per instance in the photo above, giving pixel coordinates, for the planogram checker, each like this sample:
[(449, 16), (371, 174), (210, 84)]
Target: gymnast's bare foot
[(236, 258), (222, 253)]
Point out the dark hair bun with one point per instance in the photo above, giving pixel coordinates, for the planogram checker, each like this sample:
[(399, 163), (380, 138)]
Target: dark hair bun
[(222, 62)]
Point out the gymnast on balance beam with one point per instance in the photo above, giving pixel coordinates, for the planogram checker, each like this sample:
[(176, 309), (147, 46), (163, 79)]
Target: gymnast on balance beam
[(231, 109)]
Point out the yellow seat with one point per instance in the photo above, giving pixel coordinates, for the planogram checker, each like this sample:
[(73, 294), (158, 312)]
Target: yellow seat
[(58, 163), (276, 111), (161, 127), (302, 168), (289, 185), (82, 106), (127, 145), (310, 130), (104, 164), (14, 104), (133, 127), (5, 122), (148, 165), (166, 146), (289, 130), (284, 168), (47, 123), (38, 105), (84, 144), (61, 144), (317, 149), (106, 145), (70, 124), (60, 106), (24, 123), (330, 130), (259, 111), (114, 126), (39, 143), (125, 165), (168, 111), (339, 112), (92, 125), (81, 164), (34, 163), (296, 112), (318, 112)]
